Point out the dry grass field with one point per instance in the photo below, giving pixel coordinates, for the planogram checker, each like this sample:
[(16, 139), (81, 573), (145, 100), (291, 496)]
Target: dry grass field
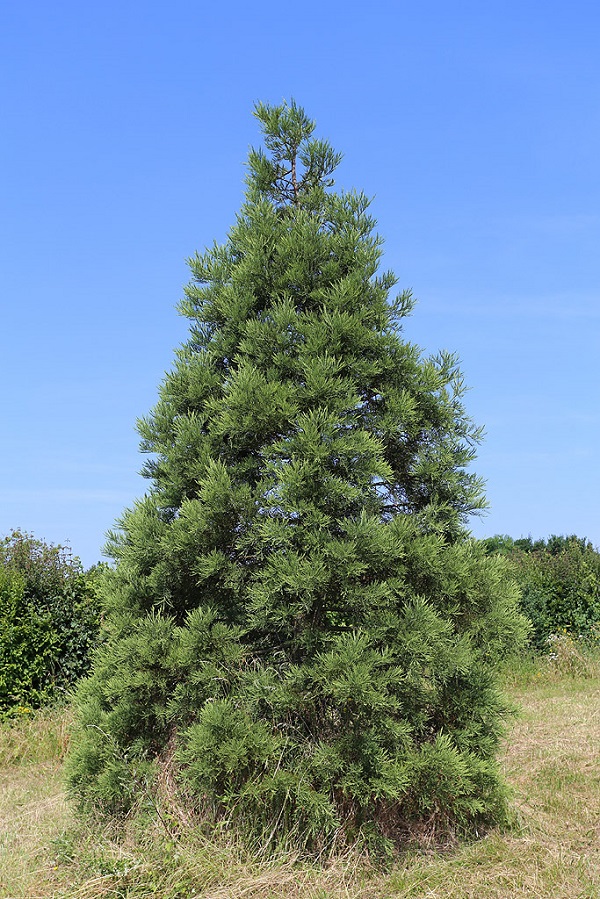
[(551, 759)]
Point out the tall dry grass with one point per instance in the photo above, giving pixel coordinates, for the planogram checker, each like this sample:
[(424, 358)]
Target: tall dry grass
[(551, 758)]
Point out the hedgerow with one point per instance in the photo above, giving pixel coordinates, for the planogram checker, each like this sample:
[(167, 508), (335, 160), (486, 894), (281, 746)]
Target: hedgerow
[(49, 619)]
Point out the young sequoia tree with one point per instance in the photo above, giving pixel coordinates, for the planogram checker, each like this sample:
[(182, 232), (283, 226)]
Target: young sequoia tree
[(299, 628)]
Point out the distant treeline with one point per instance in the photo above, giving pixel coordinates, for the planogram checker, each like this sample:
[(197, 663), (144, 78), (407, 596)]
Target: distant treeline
[(560, 583)]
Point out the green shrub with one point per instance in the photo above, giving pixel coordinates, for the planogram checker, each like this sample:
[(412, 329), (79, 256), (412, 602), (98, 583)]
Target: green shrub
[(49, 616), (560, 583)]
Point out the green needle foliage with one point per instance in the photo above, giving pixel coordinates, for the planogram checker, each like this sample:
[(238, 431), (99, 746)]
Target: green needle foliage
[(298, 623)]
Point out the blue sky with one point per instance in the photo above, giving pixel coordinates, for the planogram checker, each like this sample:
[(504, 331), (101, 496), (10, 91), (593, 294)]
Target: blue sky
[(125, 126)]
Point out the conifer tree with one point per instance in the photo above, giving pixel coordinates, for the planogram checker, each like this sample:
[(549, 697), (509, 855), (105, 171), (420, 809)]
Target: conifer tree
[(298, 622)]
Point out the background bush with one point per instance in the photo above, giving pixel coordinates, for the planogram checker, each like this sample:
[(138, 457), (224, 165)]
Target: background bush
[(49, 617), (559, 580)]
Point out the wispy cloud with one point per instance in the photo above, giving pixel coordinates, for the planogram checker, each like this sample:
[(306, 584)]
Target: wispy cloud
[(558, 307), (536, 457), (558, 224), (60, 495)]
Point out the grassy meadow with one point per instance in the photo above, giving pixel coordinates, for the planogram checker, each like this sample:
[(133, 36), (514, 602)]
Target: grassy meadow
[(551, 759)]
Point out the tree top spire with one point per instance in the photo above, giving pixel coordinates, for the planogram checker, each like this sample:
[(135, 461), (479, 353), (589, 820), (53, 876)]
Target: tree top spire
[(299, 167)]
